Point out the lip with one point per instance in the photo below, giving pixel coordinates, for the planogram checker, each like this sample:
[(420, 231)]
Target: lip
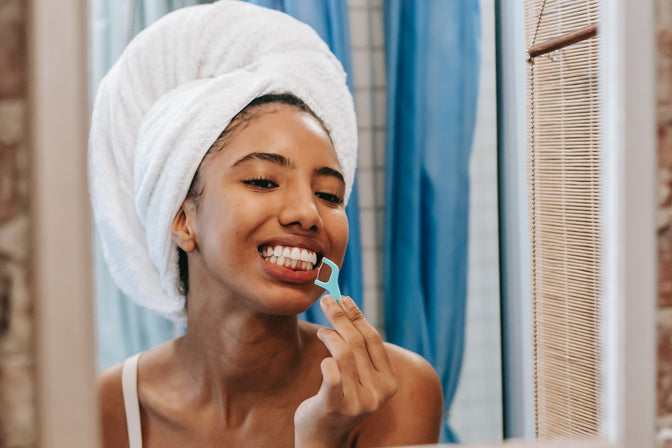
[(288, 275)]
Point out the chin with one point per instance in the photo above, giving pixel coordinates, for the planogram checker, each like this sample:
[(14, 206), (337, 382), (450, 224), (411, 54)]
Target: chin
[(289, 303)]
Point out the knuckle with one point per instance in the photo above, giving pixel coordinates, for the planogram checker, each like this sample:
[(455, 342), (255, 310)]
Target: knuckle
[(353, 410), (358, 343), (391, 387), (380, 401), (367, 409), (339, 313), (371, 406), (387, 386), (332, 382), (328, 333), (369, 402), (341, 353), (372, 336), (355, 315), (346, 356)]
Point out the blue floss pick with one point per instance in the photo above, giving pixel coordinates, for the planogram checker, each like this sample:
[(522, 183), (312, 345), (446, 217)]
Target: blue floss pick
[(332, 284)]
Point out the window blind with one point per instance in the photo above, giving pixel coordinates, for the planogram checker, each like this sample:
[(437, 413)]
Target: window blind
[(564, 206)]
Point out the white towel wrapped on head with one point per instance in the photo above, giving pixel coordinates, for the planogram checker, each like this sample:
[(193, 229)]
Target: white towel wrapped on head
[(164, 103)]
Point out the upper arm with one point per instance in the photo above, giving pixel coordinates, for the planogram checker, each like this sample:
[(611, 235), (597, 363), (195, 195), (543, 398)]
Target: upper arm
[(111, 409), (413, 415)]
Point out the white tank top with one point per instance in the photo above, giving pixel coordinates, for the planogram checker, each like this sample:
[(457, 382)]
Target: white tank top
[(129, 386)]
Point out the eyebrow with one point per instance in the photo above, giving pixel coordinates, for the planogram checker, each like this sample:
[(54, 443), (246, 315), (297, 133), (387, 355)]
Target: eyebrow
[(286, 163), (267, 157), (326, 171)]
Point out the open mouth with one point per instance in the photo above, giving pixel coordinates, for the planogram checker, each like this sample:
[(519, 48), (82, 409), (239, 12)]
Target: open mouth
[(295, 258)]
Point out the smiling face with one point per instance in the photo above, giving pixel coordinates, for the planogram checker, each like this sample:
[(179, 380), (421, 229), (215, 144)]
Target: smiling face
[(271, 207)]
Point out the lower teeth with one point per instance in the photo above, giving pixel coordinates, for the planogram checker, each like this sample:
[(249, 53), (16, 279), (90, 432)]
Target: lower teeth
[(299, 266)]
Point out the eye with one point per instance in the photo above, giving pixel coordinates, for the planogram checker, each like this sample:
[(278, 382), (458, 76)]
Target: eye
[(331, 198), (261, 183)]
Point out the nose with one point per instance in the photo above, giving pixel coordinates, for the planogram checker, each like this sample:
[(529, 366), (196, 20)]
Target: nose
[(299, 208)]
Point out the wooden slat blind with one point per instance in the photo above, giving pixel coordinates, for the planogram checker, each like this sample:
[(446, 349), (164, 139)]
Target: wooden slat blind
[(564, 204)]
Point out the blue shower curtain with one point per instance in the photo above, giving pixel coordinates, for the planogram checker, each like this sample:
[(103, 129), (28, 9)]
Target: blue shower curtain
[(433, 60), (330, 19)]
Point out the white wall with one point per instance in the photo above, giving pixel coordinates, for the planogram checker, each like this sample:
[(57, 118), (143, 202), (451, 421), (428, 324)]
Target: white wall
[(368, 60)]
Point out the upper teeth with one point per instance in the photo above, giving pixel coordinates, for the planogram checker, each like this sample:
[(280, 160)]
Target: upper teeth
[(290, 256)]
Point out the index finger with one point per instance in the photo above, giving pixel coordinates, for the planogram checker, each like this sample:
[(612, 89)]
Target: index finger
[(350, 322)]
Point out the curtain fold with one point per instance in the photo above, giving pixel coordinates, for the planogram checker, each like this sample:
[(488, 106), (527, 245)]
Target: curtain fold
[(330, 19), (433, 62)]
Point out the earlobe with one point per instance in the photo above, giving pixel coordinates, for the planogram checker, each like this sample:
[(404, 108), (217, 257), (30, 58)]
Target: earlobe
[(182, 230)]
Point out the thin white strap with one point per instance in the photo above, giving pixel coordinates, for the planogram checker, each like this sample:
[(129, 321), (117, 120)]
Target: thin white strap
[(129, 386)]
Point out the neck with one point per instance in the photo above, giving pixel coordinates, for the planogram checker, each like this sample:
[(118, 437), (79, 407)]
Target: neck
[(235, 351)]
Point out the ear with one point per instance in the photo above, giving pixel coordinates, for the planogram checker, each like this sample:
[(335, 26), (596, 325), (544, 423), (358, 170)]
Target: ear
[(182, 230)]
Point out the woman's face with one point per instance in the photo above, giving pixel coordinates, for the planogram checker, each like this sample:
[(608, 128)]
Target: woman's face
[(271, 208)]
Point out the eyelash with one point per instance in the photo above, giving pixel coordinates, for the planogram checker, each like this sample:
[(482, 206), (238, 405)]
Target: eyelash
[(262, 183), (331, 198)]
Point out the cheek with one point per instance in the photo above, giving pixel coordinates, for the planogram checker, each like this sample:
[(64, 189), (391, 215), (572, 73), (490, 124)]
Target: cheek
[(338, 232), (252, 209), (217, 222), (234, 220)]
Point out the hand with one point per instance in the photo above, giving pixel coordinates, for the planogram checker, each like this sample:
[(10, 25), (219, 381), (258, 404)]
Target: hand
[(357, 379)]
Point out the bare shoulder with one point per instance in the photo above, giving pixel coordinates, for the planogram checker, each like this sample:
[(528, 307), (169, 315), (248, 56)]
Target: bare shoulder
[(413, 414), (111, 408), (419, 385), (411, 366)]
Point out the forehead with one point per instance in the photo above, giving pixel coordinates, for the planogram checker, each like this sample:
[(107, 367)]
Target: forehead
[(278, 127)]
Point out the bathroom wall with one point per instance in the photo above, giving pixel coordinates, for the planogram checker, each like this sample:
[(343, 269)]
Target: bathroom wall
[(18, 423), (368, 63), (664, 220)]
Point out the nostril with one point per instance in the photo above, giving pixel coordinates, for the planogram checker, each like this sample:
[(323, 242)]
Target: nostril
[(305, 217)]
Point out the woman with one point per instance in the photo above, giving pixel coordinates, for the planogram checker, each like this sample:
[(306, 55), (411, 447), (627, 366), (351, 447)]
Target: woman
[(232, 231)]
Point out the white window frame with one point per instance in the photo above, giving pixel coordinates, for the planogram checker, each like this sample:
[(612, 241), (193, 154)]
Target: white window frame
[(62, 226), (516, 310), (628, 101)]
